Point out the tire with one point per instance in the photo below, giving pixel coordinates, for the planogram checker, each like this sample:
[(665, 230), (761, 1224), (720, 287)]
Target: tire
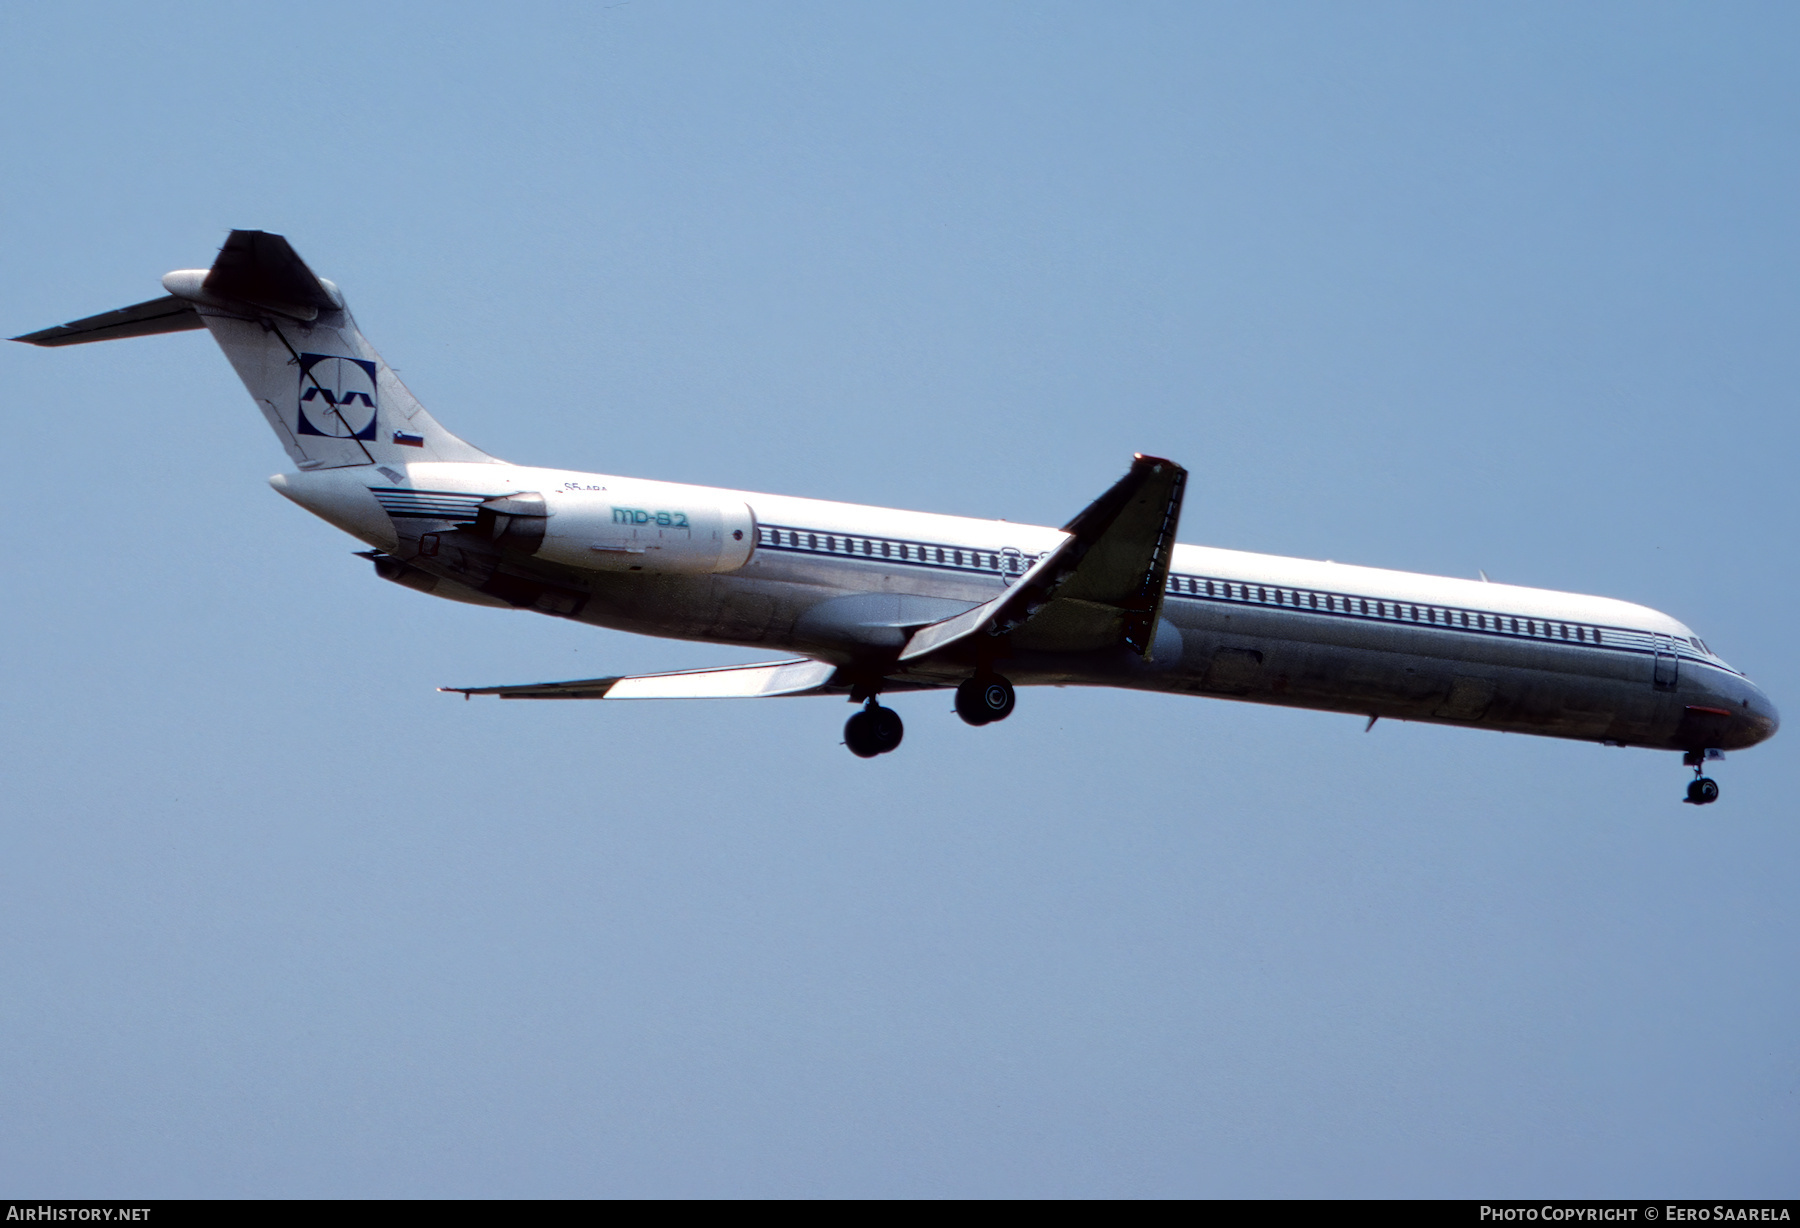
[(862, 736), (985, 698), (888, 727), (1703, 791), (998, 698), (968, 703)]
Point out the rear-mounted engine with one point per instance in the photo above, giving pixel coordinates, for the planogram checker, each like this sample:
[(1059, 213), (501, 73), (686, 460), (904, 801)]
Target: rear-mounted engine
[(649, 526)]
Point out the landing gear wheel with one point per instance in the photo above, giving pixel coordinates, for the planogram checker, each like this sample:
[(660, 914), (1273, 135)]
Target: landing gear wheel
[(1703, 791), (984, 698), (889, 729), (873, 731), (861, 737)]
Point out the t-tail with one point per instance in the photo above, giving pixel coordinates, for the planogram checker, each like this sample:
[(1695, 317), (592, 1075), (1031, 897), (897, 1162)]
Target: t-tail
[(330, 398)]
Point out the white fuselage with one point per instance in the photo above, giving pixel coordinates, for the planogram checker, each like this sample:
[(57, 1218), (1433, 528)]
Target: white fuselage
[(847, 583)]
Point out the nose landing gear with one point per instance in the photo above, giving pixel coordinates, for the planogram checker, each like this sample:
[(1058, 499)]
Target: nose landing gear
[(984, 698), (1701, 790), (873, 731)]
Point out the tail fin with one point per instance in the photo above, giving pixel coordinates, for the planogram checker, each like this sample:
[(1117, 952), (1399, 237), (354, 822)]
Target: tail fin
[(330, 398)]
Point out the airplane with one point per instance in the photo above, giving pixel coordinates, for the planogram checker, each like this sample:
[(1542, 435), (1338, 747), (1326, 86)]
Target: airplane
[(870, 601)]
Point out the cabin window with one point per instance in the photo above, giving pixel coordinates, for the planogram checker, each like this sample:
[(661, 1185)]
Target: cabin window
[(1596, 635)]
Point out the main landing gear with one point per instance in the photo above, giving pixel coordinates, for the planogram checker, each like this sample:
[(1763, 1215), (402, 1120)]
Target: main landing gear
[(984, 698), (873, 731), (876, 730), (1701, 790)]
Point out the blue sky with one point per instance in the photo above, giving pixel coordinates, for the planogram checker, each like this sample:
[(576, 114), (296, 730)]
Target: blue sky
[(1430, 287)]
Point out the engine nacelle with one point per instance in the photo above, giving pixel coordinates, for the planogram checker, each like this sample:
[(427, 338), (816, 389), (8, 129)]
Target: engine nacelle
[(652, 527)]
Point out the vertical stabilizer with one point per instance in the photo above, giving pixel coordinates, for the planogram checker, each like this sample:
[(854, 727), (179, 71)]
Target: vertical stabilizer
[(331, 399), (324, 389)]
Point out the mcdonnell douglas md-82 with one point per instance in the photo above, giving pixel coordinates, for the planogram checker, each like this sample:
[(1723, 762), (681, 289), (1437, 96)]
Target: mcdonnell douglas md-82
[(870, 601)]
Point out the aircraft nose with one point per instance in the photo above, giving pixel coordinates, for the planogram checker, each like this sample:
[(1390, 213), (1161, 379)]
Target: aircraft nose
[(1753, 716), (1760, 715)]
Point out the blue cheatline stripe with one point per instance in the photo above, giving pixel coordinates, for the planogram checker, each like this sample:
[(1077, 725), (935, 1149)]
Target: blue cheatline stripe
[(1218, 590)]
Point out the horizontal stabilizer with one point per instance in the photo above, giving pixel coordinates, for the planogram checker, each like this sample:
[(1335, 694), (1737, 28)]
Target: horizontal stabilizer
[(167, 314), (1101, 587), (265, 271), (730, 682)]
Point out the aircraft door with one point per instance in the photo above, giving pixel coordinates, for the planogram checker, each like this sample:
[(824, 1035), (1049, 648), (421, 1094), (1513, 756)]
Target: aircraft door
[(1666, 670)]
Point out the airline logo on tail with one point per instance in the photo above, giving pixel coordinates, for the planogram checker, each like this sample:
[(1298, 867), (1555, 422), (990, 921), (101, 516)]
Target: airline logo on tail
[(337, 397)]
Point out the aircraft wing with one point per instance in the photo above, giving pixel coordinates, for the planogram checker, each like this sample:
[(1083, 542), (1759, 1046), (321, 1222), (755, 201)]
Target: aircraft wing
[(797, 677), (1102, 586)]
